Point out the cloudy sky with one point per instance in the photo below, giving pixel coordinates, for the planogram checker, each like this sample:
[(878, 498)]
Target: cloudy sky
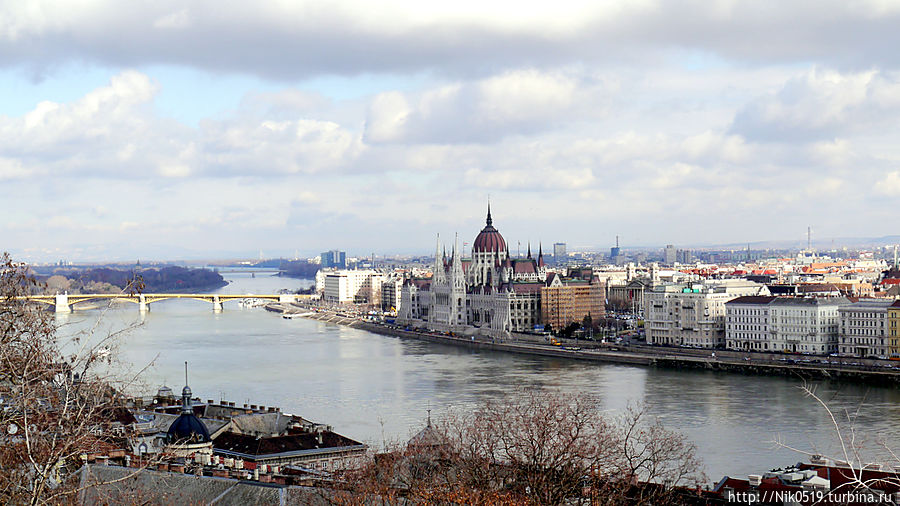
[(185, 129)]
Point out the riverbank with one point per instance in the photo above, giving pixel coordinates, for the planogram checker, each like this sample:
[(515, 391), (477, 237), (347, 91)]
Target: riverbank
[(799, 366)]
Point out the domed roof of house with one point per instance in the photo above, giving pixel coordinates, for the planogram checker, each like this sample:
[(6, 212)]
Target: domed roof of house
[(188, 429), (489, 239)]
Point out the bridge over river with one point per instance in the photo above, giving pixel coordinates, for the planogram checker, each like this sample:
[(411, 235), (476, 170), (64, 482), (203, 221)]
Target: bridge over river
[(63, 302)]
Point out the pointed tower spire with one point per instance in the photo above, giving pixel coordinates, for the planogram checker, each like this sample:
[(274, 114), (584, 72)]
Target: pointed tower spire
[(489, 221), (457, 275), (529, 249), (540, 255), (186, 407), (438, 274)]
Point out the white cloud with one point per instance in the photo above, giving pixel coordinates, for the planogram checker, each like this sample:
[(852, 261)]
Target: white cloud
[(890, 185), (822, 104), (512, 103), (177, 20)]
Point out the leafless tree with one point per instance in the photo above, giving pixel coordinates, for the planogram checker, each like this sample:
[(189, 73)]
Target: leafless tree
[(858, 469), (533, 447), (54, 402)]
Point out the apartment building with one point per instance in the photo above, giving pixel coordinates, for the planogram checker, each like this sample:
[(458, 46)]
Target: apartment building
[(390, 294), (569, 300), (894, 329), (353, 286), (864, 328), (789, 324), (692, 314)]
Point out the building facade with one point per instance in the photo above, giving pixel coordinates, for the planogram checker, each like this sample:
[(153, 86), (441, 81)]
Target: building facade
[(390, 294), (489, 293), (784, 324), (864, 330), (894, 329), (334, 259), (670, 255), (353, 287), (692, 315), (560, 257), (566, 301)]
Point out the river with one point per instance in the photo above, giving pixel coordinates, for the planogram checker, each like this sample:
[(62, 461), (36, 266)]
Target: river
[(376, 388)]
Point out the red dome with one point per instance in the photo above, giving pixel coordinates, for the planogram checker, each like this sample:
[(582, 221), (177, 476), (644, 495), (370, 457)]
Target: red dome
[(489, 239)]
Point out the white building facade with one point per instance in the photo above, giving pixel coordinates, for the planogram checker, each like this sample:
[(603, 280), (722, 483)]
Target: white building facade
[(692, 315), (353, 286), (864, 328), (784, 324)]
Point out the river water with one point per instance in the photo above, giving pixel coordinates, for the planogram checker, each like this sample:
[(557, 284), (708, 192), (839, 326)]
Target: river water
[(376, 388)]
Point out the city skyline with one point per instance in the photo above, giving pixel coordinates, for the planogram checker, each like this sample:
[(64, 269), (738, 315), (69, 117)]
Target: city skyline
[(163, 131)]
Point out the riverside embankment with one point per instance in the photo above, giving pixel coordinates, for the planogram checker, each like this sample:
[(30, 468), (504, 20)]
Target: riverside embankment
[(799, 366)]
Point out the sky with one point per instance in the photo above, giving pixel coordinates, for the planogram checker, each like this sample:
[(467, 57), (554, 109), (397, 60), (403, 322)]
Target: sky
[(199, 129)]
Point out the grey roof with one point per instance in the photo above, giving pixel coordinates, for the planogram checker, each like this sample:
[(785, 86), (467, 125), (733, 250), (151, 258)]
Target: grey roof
[(789, 301), (869, 305), (261, 424), (811, 301), (165, 489)]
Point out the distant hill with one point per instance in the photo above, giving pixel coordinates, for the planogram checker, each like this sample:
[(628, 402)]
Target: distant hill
[(162, 280)]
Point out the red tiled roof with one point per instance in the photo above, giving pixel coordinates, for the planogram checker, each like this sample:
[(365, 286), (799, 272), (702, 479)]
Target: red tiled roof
[(524, 266), (527, 287)]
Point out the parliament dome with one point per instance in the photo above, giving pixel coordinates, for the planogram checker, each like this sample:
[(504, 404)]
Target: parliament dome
[(489, 239)]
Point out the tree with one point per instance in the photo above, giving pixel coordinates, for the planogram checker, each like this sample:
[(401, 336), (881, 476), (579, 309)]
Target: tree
[(534, 447), (855, 473), (55, 404)]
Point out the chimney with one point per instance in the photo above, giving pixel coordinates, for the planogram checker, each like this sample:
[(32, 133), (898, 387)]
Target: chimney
[(319, 438)]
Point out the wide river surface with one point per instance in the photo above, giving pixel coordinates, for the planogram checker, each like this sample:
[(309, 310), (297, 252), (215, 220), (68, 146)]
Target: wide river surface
[(375, 388)]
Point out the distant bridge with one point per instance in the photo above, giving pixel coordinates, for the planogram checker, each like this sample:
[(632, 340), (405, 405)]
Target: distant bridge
[(63, 302), (246, 271)]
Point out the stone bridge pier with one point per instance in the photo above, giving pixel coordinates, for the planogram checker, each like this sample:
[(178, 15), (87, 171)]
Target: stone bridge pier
[(62, 303), (142, 304), (217, 304)]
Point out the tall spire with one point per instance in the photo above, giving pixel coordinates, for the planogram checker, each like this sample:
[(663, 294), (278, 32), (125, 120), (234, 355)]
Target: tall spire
[(438, 275), (186, 407), (489, 220), (529, 249), (457, 275)]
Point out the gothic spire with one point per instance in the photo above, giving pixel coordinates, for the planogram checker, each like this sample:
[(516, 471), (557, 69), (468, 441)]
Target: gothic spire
[(489, 220), (438, 275), (529, 249)]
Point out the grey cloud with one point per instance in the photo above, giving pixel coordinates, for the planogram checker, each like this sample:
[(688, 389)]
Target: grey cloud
[(302, 40)]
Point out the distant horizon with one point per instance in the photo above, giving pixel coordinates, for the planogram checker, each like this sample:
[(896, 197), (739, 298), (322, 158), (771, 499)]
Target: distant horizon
[(823, 246)]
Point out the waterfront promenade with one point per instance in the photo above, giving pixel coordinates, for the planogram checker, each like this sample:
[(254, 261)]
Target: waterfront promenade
[(884, 372)]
